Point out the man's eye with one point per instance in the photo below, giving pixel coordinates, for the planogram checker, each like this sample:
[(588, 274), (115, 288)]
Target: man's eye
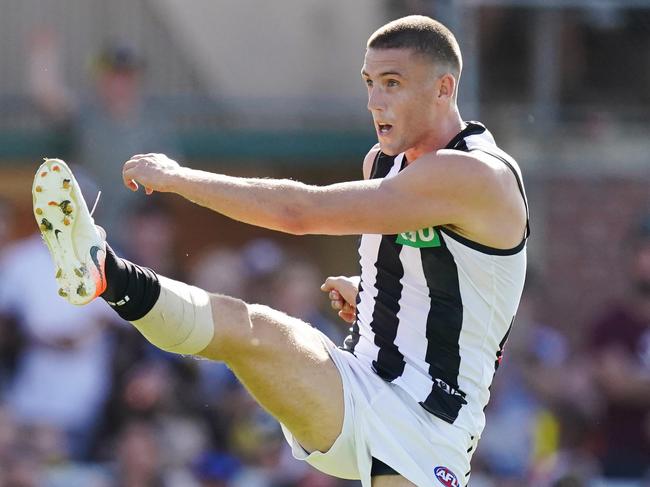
[(369, 82), (392, 82)]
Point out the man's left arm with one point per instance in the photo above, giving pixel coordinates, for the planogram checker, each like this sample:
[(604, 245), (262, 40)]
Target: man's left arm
[(442, 188)]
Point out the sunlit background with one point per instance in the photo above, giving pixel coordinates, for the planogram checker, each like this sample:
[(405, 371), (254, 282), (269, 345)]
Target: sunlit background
[(272, 89)]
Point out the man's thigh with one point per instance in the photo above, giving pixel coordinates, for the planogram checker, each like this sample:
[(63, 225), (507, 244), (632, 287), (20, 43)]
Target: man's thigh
[(285, 365)]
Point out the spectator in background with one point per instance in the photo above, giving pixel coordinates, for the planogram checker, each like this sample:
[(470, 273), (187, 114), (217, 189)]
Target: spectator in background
[(6, 222), (221, 270), (214, 469), (621, 366), (61, 377), (296, 291), (10, 336), (152, 236), (21, 468), (138, 455), (108, 126)]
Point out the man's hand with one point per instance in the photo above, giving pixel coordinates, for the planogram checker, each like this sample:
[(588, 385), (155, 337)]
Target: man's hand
[(155, 172), (343, 295)]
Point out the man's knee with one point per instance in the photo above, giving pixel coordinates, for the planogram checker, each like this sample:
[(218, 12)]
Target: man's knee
[(232, 324), (244, 330)]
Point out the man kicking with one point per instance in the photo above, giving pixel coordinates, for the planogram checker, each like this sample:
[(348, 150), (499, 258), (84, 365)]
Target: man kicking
[(444, 222)]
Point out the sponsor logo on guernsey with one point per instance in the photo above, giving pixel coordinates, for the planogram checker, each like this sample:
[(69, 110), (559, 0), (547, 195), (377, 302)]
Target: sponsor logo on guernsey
[(446, 477), (425, 237), (448, 389)]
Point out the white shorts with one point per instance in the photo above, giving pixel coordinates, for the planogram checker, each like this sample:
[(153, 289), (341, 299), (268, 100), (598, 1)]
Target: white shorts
[(383, 421)]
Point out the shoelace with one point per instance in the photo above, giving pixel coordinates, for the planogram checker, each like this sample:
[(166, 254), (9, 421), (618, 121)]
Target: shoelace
[(99, 193)]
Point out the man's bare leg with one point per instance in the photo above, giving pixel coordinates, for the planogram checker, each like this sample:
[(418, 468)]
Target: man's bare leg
[(285, 366)]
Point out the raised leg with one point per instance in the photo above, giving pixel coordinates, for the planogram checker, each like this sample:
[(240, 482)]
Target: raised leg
[(284, 364)]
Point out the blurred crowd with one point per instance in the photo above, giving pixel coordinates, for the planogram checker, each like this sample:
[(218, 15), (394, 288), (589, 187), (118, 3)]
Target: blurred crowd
[(86, 401)]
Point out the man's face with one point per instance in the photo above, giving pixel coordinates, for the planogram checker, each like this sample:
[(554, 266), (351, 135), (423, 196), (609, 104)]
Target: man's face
[(119, 87), (402, 92)]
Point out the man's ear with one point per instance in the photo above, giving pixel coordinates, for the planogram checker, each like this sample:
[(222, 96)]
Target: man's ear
[(446, 86)]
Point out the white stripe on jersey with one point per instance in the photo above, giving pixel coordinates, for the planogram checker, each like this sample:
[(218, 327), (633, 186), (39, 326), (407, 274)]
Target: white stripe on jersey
[(415, 378)]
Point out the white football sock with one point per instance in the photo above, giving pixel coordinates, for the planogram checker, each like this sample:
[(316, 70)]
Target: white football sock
[(181, 320)]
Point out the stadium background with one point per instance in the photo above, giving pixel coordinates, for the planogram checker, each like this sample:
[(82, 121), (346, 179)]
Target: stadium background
[(272, 89)]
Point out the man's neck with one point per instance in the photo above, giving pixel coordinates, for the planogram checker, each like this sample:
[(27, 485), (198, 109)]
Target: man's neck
[(447, 129)]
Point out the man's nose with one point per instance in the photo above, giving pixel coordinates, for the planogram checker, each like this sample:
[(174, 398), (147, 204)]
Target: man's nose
[(375, 100)]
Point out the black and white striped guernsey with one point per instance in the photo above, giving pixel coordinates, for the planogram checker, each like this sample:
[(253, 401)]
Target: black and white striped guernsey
[(434, 309)]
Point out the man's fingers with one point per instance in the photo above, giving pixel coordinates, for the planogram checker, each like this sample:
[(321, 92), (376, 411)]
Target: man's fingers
[(329, 284), (346, 310), (128, 177), (342, 305), (131, 184), (348, 317), (137, 157)]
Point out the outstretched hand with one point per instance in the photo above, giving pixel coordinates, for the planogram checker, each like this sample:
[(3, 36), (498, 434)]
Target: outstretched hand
[(342, 292), (155, 172)]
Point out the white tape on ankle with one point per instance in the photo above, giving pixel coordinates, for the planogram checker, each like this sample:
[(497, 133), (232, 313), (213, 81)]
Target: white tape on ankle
[(181, 320)]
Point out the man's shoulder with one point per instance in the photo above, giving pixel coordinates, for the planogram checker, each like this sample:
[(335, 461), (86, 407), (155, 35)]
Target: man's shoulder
[(456, 163)]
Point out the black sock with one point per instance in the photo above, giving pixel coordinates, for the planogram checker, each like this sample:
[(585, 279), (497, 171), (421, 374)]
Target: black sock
[(131, 290)]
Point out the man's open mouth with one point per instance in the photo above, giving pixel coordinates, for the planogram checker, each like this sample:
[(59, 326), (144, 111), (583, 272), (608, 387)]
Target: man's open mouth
[(384, 128)]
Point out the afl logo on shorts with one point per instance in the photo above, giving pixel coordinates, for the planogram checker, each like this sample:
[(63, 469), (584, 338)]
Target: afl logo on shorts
[(446, 477)]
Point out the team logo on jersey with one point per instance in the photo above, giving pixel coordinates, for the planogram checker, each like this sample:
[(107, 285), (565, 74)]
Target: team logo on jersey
[(425, 237), (446, 477)]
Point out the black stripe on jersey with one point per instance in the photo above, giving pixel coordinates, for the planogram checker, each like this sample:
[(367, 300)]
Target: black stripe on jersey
[(502, 346), (472, 128), (380, 168), (375, 166), (390, 362), (444, 323), (382, 165), (483, 248)]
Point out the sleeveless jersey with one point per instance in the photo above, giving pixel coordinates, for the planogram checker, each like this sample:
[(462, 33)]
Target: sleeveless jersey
[(434, 309)]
